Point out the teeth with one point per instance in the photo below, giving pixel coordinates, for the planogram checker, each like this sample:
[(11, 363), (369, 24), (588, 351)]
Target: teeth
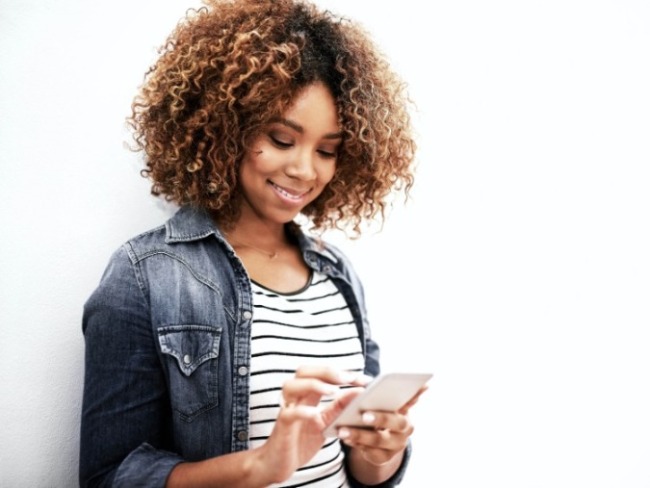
[(286, 193)]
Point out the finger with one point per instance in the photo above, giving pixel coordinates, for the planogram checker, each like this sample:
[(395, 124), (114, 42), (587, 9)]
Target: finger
[(293, 412), (391, 421), (333, 376), (375, 439), (333, 409), (306, 390)]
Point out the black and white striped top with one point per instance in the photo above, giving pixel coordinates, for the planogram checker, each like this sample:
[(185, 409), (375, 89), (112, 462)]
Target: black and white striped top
[(312, 326)]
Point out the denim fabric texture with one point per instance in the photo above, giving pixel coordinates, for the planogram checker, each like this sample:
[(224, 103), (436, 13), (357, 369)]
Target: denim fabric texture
[(167, 335)]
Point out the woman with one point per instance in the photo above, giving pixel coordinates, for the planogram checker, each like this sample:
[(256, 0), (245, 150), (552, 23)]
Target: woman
[(220, 345)]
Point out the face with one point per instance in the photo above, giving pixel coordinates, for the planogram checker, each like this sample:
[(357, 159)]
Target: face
[(292, 160)]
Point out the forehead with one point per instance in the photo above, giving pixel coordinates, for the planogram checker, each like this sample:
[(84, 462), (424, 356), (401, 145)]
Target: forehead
[(314, 106)]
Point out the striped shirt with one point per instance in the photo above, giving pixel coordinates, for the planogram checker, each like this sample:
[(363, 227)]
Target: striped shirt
[(312, 326)]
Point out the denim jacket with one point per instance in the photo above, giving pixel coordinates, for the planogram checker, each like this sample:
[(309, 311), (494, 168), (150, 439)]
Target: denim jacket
[(167, 336)]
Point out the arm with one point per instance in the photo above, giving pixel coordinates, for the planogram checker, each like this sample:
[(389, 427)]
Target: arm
[(125, 403), (296, 437), (235, 470)]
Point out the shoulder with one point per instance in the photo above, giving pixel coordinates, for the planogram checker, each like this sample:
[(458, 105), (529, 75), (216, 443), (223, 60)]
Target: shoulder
[(140, 245), (187, 226)]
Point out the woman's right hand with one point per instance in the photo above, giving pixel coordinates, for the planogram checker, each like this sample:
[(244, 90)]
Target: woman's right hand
[(295, 439), (298, 432)]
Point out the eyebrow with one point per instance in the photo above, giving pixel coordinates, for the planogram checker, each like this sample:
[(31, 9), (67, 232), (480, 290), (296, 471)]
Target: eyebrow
[(301, 130)]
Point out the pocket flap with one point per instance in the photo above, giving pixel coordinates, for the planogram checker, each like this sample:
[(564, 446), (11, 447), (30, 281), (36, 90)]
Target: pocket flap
[(191, 345)]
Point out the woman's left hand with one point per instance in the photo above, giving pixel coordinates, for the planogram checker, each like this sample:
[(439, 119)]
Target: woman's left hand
[(385, 438)]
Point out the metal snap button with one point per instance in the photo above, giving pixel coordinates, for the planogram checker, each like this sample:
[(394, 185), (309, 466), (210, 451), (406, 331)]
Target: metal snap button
[(247, 315), (187, 359), (243, 371)]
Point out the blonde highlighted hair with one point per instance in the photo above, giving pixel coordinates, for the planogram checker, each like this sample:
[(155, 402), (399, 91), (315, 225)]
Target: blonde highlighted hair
[(231, 66)]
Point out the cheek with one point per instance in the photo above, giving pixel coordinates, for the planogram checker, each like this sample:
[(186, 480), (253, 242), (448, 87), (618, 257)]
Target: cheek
[(255, 163), (327, 173), (263, 161)]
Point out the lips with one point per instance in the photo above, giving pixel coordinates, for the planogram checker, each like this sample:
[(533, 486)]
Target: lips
[(289, 193)]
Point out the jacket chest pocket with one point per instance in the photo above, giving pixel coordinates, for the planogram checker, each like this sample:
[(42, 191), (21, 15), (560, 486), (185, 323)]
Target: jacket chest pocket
[(191, 354)]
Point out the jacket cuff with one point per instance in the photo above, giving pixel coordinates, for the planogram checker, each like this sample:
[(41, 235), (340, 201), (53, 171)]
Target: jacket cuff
[(146, 467)]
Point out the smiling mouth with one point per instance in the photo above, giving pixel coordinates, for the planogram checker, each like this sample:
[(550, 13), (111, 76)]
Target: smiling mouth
[(291, 195)]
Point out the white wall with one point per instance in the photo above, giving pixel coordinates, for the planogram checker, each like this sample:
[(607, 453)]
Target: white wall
[(519, 273)]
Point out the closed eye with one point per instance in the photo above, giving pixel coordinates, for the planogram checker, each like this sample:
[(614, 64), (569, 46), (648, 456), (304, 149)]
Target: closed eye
[(327, 154), (279, 143)]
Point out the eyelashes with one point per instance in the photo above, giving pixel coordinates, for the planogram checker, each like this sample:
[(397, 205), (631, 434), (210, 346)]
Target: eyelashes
[(283, 144), (327, 154), (280, 143)]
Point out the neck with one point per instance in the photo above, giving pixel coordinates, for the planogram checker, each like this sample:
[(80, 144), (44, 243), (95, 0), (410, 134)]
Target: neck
[(250, 227), (260, 235)]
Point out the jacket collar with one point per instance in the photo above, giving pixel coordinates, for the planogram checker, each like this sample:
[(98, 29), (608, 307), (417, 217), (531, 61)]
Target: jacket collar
[(312, 248), (193, 224), (190, 224)]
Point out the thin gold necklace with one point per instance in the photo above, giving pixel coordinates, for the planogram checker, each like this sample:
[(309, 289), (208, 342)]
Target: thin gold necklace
[(234, 243)]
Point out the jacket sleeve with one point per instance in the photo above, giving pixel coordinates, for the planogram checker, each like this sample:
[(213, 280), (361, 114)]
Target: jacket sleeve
[(357, 304), (125, 400)]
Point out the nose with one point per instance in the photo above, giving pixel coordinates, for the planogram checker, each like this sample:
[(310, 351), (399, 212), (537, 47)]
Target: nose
[(302, 166)]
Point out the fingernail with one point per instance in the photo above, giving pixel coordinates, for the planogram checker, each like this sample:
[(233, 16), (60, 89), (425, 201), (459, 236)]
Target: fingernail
[(343, 433), (347, 377), (368, 418)]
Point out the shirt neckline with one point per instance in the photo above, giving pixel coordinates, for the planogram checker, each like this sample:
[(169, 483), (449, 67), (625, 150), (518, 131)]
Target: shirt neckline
[(302, 289)]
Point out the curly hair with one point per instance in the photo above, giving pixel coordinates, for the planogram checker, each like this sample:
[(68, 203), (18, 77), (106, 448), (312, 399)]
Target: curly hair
[(230, 67)]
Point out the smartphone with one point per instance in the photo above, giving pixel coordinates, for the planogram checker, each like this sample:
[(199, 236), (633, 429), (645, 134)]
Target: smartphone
[(388, 392)]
